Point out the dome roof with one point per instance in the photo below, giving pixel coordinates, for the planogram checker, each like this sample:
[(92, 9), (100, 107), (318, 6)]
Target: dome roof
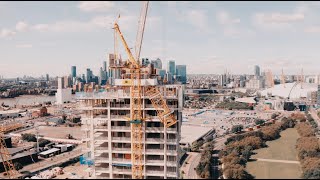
[(297, 91)]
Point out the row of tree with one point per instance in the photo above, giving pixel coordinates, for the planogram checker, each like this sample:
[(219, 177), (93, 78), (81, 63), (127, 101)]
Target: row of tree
[(204, 167), (233, 105), (308, 147), (32, 138)]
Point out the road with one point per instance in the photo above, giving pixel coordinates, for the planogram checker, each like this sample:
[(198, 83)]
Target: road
[(314, 115), (278, 161), (190, 164), (219, 142)]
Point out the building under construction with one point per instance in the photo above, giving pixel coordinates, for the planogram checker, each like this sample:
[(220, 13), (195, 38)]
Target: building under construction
[(108, 131), (132, 126)]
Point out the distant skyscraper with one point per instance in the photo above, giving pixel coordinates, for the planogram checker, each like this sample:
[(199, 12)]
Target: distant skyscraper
[(105, 65), (60, 82), (222, 79), (47, 77), (73, 71), (83, 78), (181, 71), (162, 73), (171, 67), (318, 99), (102, 77), (256, 71), (145, 61), (157, 63), (89, 75)]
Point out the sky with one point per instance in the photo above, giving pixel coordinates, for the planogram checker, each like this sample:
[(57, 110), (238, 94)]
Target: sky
[(38, 38)]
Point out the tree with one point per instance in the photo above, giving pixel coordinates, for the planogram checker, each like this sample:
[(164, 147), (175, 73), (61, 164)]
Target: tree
[(42, 142), (17, 166), (259, 121), (274, 116), (311, 174), (305, 130), (247, 152), (236, 128), (29, 137)]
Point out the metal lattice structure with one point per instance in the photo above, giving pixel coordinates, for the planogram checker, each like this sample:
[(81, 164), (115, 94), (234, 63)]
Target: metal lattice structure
[(136, 119), (6, 159)]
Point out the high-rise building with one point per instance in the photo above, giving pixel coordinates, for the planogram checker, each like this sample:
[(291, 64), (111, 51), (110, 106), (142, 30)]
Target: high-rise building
[(181, 72), (318, 94), (222, 80), (89, 75), (162, 73), (73, 71), (108, 138), (47, 77), (63, 94), (157, 63), (256, 71), (145, 61), (67, 81), (171, 67), (102, 77), (104, 65)]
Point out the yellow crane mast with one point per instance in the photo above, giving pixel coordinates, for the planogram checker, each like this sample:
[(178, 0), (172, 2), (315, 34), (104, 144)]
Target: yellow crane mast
[(165, 115), (12, 173)]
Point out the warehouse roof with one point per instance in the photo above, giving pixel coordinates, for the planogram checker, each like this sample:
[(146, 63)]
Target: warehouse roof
[(246, 100), (191, 133), (49, 151)]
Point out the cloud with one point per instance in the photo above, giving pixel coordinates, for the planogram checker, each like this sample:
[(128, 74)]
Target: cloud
[(24, 46), (278, 20), (96, 6), (224, 18), (312, 29), (198, 18), (96, 22), (228, 23), (279, 17), (21, 26), (6, 33), (173, 4)]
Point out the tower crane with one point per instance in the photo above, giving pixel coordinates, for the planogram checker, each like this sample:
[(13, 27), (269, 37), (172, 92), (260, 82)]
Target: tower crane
[(136, 119), (12, 173)]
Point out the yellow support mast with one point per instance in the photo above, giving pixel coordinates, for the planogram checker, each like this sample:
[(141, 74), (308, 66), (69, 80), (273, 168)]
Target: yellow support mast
[(12, 173), (166, 116)]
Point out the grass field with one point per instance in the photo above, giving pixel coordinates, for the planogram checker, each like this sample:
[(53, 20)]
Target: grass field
[(280, 149)]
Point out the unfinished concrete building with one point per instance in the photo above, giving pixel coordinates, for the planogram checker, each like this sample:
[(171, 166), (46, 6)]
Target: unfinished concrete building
[(108, 132)]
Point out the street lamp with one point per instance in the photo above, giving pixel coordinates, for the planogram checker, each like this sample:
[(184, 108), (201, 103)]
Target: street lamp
[(37, 129)]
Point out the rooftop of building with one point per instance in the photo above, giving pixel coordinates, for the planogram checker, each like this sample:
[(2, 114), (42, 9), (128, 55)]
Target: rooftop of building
[(297, 92), (191, 133), (249, 100), (19, 152), (12, 111)]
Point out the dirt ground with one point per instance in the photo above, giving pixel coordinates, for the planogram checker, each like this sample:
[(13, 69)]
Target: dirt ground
[(79, 170), (57, 132)]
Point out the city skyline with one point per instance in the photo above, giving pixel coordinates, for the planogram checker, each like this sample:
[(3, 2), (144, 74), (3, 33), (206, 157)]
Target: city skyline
[(48, 37)]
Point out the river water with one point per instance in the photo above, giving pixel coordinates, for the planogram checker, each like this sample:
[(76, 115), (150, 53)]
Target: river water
[(29, 100)]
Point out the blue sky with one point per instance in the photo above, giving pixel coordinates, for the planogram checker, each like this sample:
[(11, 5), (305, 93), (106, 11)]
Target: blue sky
[(209, 37)]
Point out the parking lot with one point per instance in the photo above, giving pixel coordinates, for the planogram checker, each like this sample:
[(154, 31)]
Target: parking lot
[(223, 120)]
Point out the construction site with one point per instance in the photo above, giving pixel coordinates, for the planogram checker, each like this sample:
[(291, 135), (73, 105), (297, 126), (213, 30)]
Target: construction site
[(132, 125)]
